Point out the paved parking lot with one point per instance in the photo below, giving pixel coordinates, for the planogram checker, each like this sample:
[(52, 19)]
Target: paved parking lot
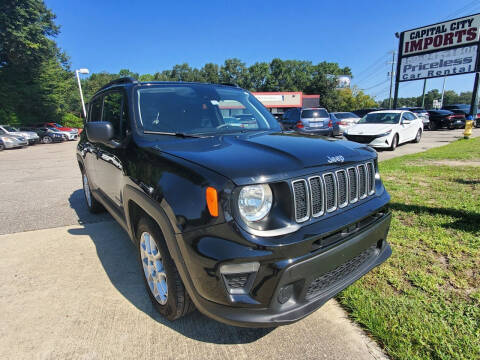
[(71, 287)]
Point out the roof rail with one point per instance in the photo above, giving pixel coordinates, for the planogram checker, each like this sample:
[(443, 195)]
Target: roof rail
[(123, 80)]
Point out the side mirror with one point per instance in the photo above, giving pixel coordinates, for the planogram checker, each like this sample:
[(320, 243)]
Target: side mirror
[(101, 132)]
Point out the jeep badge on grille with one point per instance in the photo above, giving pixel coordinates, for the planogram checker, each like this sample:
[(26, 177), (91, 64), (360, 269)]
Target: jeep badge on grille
[(335, 159)]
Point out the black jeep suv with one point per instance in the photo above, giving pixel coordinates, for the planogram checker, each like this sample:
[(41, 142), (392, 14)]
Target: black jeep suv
[(253, 225)]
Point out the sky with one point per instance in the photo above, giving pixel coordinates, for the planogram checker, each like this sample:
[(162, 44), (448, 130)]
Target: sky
[(149, 36)]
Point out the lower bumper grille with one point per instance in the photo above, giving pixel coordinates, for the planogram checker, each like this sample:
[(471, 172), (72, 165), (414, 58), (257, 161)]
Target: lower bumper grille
[(327, 280), (363, 139)]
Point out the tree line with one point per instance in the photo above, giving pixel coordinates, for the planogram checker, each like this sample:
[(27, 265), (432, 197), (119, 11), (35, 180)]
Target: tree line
[(449, 97), (37, 83)]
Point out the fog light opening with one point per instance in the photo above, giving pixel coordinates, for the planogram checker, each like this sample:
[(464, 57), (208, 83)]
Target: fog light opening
[(285, 294), (239, 278)]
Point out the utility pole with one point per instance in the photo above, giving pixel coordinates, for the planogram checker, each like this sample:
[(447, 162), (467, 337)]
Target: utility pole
[(397, 73), (391, 80), (423, 95), (443, 90)]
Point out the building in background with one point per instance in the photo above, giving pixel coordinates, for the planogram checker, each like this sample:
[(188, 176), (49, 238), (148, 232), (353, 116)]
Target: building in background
[(279, 102)]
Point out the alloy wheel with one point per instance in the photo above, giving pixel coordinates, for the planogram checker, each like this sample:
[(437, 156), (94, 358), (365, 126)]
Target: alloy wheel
[(153, 268)]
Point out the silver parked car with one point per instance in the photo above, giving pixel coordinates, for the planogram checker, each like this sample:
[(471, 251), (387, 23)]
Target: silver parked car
[(30, 136), (309, 120), (344, 120), (421, 113), (11, 141)]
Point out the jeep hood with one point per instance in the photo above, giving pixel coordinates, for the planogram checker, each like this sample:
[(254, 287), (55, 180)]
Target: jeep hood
[(261, 157)]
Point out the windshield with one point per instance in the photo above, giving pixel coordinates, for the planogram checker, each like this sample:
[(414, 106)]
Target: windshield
[(314, 113), (10, 129), (201, 109), (346, 115), (58, 125), (380, 118)]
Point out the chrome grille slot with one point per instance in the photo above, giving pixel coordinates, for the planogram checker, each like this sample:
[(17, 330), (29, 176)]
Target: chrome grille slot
[(325, 193), (342, 183), (353, 182), (330, 192), (317, 196), (362, 181), (300, 199), (371, 178)]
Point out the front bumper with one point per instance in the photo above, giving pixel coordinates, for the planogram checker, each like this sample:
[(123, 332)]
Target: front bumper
[(72, 136), (13, 145), (33, 141), (294, 280)]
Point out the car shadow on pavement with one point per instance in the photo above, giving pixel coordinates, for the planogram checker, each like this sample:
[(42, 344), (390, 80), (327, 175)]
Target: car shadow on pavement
[(465, 220), (467, 182), (118, 257)]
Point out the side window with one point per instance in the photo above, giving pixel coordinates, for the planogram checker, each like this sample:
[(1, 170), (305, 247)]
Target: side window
[(96, 110), (296, 115), (410, 116), (113, 111)]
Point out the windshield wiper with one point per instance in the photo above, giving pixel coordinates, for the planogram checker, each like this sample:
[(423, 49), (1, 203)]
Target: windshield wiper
[(178, 134)]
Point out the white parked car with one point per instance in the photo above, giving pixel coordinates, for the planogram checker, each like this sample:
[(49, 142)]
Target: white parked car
[(30, 136), (386, 129)]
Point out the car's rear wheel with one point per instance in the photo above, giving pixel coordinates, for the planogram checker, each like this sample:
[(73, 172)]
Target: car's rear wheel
[(394, 144), (162, 280), (47, 140), (418, 137), (93, 205)]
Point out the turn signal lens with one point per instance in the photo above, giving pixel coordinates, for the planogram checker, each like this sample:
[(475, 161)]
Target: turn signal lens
[(212, 201), (299, 125)]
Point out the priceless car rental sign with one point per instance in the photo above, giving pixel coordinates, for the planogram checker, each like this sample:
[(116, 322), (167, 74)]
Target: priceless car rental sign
[(443, 49)]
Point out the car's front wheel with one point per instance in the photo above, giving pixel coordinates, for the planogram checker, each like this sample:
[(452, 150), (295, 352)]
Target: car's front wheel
[(418, 137), (162, 280), (2, 147), (93, 205), (47, 140), (394, 144)]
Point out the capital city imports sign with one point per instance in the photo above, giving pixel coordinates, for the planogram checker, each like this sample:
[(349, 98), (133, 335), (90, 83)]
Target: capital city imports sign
[(443, 49)]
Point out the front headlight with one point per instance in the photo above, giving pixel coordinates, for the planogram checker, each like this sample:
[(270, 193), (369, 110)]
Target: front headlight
[(255, 202), (385, 134), (6, 139)]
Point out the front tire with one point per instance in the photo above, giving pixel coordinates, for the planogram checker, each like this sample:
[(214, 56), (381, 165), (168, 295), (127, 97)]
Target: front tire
[(47, 140), (162, 280), (418, 137), (2, 147), (93, 205), (394, 144)]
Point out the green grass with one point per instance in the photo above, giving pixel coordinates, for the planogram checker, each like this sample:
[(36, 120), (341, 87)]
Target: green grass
[(424, 302)]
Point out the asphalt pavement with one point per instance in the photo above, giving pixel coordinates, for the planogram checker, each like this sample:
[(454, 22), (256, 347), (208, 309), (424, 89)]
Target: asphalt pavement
[(71, 286)]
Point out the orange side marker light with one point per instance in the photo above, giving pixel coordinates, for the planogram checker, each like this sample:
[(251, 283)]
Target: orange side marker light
[(212, 201)]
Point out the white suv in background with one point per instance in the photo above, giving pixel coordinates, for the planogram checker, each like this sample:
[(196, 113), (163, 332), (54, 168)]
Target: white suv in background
[(386, 129)]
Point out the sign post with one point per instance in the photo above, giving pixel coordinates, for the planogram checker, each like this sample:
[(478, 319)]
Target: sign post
[(439, 50)]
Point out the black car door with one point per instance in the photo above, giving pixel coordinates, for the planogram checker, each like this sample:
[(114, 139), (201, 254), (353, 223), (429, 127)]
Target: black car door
[(88, 149), (109, 165)]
